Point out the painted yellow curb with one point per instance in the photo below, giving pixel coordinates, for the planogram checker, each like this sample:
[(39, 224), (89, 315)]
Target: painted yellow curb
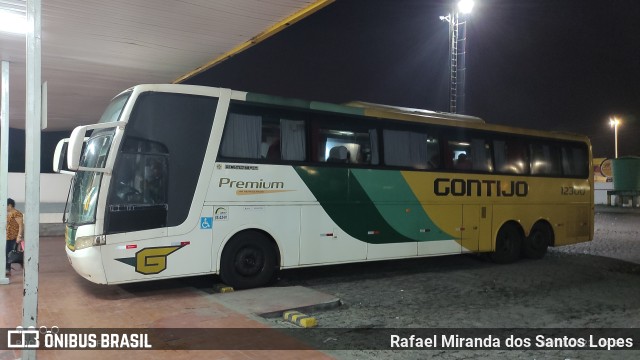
[(300, 319), (221, 288)]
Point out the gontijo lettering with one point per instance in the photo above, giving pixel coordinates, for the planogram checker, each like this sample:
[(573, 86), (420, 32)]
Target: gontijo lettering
[(462, 187), (261, 184)]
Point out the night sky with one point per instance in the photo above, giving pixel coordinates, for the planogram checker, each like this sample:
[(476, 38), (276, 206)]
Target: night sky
[(552, 65)]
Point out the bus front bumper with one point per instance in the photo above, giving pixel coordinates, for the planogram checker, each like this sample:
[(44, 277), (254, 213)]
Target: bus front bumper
[(88, 263)]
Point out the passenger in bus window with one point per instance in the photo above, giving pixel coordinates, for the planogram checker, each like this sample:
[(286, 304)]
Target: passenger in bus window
[(154, 184), (338, 154), (463, 162), (434, 162), (274, 151)]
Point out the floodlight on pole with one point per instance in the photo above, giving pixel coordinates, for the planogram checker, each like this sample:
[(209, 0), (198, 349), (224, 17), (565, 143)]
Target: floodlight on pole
[(614, 123), (465, 6), (457, 54)]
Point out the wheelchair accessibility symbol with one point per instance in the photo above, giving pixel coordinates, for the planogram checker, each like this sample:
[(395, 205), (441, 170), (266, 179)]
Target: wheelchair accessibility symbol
[(206, 223)]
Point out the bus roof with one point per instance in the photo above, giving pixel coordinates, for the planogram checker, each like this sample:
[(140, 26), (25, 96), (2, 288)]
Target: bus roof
[(417, 112), (373, 110), (407, 114)]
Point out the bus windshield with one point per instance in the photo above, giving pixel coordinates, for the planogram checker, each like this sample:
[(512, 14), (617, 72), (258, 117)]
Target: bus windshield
[(81, 204), (83, 198), (113, 111)]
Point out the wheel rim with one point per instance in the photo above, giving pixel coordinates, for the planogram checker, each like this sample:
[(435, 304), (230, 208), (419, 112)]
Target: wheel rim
[(538, 240), (506, 244), (249, 261)]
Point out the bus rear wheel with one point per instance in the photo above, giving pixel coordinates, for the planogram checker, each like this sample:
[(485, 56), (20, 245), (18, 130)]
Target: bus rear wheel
[(248, 260), (508, 245), (535, 245)]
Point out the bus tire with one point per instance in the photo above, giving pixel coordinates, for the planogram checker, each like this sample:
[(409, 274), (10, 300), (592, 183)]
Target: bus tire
[(536, 244), (248, 260), (508, 245)]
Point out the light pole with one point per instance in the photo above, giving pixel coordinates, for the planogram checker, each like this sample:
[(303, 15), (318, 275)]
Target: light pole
[(614, 123), (457, 52)]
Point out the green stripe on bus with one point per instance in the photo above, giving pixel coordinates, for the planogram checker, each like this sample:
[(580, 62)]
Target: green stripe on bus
[(316, 105), (348, 205), (398, 204), (277, 100)]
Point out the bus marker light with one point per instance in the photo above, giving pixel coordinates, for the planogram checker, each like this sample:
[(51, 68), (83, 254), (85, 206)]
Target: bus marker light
[(131, 247), (185, 243), (373, 232), (328, 234)]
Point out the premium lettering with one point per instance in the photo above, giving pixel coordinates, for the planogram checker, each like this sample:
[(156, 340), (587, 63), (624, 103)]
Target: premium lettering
[(226, 182), (462, 187)]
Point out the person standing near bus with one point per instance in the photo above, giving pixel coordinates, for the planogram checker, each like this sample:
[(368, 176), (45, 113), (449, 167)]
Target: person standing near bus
[(15, 229)]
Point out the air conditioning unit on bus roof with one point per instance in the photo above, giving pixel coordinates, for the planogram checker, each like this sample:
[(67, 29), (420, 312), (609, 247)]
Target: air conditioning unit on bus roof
[(414, 111)]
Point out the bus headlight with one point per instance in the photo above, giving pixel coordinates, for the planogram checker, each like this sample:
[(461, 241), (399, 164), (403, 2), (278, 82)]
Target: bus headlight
[(88, 241)]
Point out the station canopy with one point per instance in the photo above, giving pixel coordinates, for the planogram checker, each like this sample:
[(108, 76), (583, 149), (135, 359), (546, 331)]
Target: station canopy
[(93, 49)]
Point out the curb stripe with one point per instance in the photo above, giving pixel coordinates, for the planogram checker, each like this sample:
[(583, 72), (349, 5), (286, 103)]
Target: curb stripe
[(300, 319)]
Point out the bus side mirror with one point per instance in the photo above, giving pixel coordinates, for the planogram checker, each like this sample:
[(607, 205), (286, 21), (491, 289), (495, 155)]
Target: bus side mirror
[(60, 155), (74, 150)]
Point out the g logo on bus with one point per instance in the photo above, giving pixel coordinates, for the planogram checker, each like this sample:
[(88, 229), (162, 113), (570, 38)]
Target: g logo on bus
[(151, 261)]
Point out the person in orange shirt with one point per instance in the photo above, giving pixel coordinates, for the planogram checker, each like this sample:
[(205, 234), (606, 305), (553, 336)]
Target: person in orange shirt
[(15, 229)]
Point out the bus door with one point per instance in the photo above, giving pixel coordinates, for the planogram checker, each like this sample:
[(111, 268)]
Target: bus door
[(476, 228), (470, 227)]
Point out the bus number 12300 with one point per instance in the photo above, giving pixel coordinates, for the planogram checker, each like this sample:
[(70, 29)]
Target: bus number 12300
[(569, 190)]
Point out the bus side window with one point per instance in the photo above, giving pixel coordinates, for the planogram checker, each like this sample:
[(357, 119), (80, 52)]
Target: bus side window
[(469, 154), (459, 155), (544, 159), (344, 144), (511, 156), (410, 149), (433, 152), (481, 155), (155, 180), (242, 137), (293, 143), (283, 139), (270, 145), (575, 161), (139, 196), (253, 133)]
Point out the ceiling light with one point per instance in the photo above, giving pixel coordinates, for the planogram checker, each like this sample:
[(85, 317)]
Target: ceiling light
[(14, 23)]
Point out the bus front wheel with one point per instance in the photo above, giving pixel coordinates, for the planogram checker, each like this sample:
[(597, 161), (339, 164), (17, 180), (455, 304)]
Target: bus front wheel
[(535, 245), (508, 244), (248, 260)]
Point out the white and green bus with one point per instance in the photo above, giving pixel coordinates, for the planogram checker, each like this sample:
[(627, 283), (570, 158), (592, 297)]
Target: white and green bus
[(181, 180)]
